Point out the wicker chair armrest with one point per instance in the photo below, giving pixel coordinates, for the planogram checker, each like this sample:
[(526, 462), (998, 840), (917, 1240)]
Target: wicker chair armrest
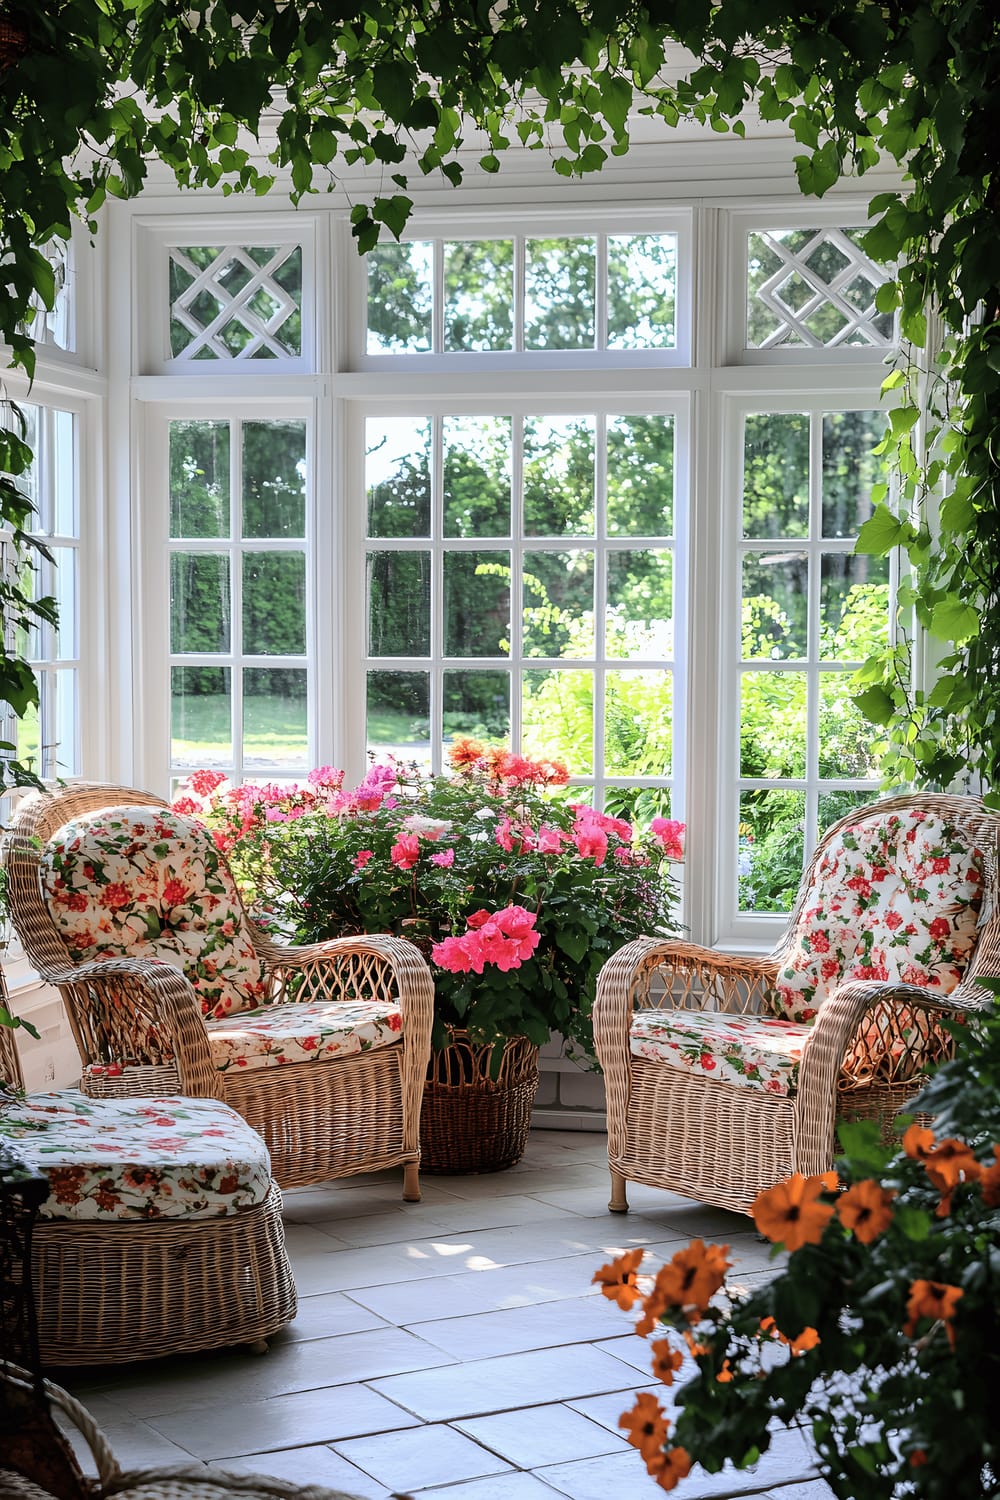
[(831, 1037), (390, 967), (154, 993)]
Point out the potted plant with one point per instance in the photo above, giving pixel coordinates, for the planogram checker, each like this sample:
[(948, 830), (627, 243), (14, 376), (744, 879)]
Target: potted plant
[(881, 1333), (515, 893)]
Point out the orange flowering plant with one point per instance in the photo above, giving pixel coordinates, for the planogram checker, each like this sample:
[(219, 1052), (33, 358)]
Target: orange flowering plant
[(881, 1331)]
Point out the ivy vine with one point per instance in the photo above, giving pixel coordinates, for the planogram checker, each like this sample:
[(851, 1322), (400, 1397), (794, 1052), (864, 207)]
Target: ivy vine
[(92, 91)]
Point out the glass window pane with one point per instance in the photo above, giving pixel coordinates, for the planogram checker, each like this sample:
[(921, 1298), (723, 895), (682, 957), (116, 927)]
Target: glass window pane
[(275, 729), (400, 281), (771, 849), (557, 709), (274, 603), (476, 603), (559, 476), (773, 724), (399, 604), (558, 610), (560, 277), (641, 476), (775, 604), (477, 704), (199, 602), (398, 476), (199, 479), (642, 291), (399, 714), (854, 604), (65, 639), (845, 735), (201, 716), (478, 294), (65, 513), (477, 468), (850, 469), (28, 739), (274, 479), (639, 619), (67, 722), (638, 723), (776, 474)]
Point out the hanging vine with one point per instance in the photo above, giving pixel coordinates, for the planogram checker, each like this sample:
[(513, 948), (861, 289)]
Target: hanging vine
[(92, 91)]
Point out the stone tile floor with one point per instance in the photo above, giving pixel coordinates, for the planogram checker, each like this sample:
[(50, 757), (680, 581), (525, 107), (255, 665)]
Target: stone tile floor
[(449, 1348)]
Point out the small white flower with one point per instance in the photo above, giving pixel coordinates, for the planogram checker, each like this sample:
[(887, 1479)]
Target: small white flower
[(485, 813), (426, 828)]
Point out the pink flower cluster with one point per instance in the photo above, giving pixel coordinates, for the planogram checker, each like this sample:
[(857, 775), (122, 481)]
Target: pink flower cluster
[(504, 938), (671, 836)]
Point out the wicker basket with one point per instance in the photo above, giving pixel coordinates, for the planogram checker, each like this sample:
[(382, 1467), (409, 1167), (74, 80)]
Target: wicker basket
[(470, 1121)]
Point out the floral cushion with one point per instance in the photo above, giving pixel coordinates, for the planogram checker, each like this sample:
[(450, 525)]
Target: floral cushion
[(302, 1032), (896, 897), (168, 1158), (760, 1052), (142, 882)]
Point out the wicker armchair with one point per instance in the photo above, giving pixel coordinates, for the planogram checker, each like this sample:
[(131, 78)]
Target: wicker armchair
[(346, 1097), (726, 1073)]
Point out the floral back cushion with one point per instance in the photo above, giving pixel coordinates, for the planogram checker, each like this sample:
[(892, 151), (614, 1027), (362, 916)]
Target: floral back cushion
[(896, 896), (142, 882)]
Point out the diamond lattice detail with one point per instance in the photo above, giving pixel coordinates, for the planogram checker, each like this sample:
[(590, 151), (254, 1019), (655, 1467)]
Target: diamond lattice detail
[(240, 302), (814, 289)]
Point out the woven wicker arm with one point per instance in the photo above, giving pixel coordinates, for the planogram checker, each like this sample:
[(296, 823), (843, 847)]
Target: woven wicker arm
[(825, 1088), (653, 972), (145, 1013)]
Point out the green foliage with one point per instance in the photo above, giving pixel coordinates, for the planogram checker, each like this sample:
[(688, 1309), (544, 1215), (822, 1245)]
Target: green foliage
[(392, 85), (881, 1333)]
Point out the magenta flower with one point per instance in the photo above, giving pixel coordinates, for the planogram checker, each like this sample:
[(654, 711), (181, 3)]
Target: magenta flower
[(362, 857)]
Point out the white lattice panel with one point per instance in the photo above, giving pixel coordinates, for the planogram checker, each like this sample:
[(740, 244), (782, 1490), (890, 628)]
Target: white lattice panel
[(814, 289), (235, 302)]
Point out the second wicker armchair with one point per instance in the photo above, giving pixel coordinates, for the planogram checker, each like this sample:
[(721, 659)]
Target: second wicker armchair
[(726, 1073)]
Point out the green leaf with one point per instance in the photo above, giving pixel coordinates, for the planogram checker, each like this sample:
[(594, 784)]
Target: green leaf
[(953, 620), (881, 532), (875, 704)]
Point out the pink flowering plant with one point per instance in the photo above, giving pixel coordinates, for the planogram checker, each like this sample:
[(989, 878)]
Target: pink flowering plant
[(515, 892)]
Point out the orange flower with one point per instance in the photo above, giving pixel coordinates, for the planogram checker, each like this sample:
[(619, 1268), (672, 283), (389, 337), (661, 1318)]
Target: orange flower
[(645, 1426), (791, 1213), (917, 1141), (807, 1339), (669, 1468), (618, 1279), (865, 1208), (918, 1458), (464, 751), (665, 1361), (695, 1348), (990, 1181), (931, 1299), (692, 1277), (725, 1375)]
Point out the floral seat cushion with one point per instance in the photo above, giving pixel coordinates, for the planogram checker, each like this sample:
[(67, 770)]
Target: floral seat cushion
[(759, 1052), (143, 882), (305, 1031), (895, 897), (112, 1159)]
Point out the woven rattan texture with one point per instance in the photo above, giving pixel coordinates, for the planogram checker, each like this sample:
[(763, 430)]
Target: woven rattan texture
[(322, 1119), (722, 1143), (472, 1121)]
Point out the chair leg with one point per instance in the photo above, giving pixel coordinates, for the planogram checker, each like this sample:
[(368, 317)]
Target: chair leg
[(618, 1203), (411, 1182)]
